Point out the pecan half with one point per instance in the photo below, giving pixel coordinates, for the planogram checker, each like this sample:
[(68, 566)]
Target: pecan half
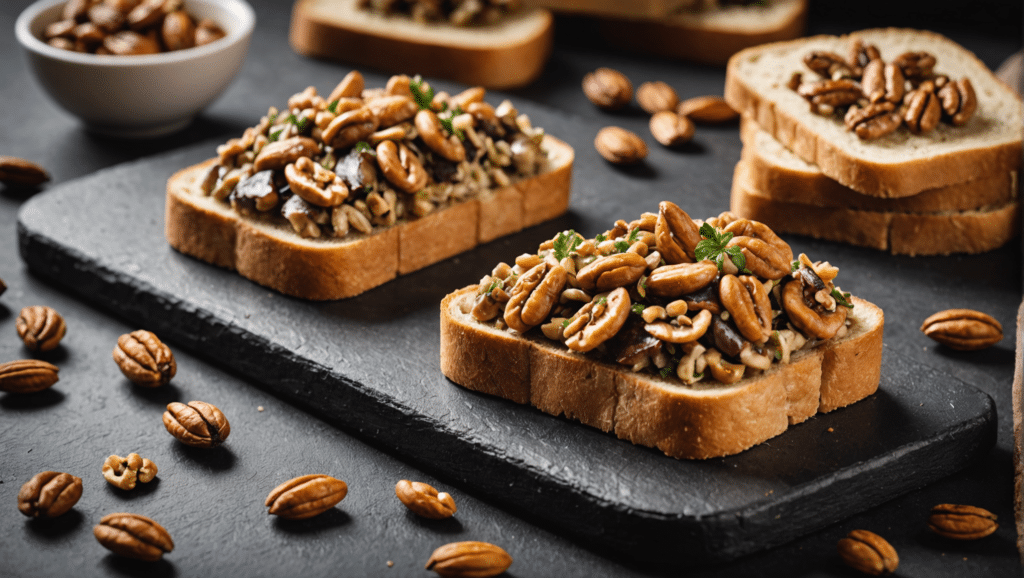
[(144, 359), (873, 121), (469, 560), (349, 128), (49, 494), (533, 296), (20, 172), (315, 184), (681, 279), (707, 110), (401, 167), (608, 89), (747, 302), (41, 328), (961, 522), (675, 233), (861, 54), (811, 320), (424, 500), (829, 65), (178, 31), (125, 472), (197, 424), (597, 321), (923, 110), (681, 333), (620, 146), (133, 536), (612, 271), (350, 86), (278, 154), (671, 129), (868, 552), (959, 102), (826, 95), (768, 256), (27, 376), (306, 496), (882, 81), (916, 66), (657, 96), (963, 329), (393, 109), (434, 136)]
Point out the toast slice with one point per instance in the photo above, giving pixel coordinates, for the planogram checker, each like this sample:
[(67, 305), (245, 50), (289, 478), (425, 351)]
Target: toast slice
[(896, 231), (266, 249), (614, 8), (775, 172), (708, 36), (699, 421), (508, 54), (899, 164)]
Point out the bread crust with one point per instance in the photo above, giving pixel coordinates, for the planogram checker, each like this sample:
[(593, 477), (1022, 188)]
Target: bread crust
[(692, 422), (507, 55), (901, 233), (817, 140), (270, 253)]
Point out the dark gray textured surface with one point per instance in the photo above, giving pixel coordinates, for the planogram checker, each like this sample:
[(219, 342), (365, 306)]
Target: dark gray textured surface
[(93, 412)]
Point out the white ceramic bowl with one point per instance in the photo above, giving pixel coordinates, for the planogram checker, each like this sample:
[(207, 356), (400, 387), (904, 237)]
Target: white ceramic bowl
[(138, 96)]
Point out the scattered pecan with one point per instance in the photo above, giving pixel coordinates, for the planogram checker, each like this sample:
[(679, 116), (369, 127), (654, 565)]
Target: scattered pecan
[(469, 560), (656, 97), (959, 101), (868, 552), (963, 329), (424, 500), (916, 66), (707, 110), (671, 129), (41, 328), (873, 121), (20, 172), (608, 89), (812, 320), (961, 522), (882, 81), (125, 472), (49, 494), (861, 54), (826, 95), (681, 333), (612, 271), (27, 376), (829, 65), (676, 234), (747, 302), (620, 146), (144, 359), (197, 424), (306, 496), (133, 536), (923, 110), (671, 281), (597, 321), (278, 154)]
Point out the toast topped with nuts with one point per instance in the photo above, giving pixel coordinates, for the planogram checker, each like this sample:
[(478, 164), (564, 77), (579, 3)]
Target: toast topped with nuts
[(335, 195), (699, 338), (886, 112)]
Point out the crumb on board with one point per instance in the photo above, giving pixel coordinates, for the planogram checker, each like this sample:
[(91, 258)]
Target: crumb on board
[(830, 430), (390, 563), (259, 408)]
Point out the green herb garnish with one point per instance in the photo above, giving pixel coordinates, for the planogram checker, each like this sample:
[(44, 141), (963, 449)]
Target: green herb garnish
[(447, 124), (698, 375), (637, 308), (364, 147), (600, 238), (666, 370), (273, 136), (842, 298), (714, 247), (424, 97), (565, 323), (778, 355), (794, 266), (566, 243), (496, 284), (623, 246), (333, 107), (602, 301)]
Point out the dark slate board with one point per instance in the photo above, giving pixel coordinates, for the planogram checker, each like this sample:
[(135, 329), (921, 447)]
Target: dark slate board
[(370, 366)]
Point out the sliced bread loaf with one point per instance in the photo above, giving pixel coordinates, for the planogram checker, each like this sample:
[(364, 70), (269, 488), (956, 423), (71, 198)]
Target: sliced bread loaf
[(899, 164)]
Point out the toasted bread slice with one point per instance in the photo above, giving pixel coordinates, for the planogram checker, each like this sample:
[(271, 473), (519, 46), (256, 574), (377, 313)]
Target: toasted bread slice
[(266, 249), (508, 54), (614, 8), (701, 421), (775, 172), (899, 164), (899, 232)]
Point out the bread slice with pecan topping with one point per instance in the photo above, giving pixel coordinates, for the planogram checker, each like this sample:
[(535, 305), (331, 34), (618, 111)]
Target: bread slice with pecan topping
[(901, 163)]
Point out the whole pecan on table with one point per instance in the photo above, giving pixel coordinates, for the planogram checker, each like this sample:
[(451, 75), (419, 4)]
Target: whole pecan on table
[(27, 376), (49, 494), (41, 328), (306, 496), (144, 359), (125, 472), (469, 559), (20, 172), (963, 329), (197, 424), (707, 110), (961, 522), (620, 146), (656, 96), (424, 500), (608, 89), (133, 536), (868, 552), (671, 129)]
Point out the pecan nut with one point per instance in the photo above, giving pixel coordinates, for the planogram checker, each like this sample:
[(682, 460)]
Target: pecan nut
[(826, 95), (41, 328), (469, 559), (534, 295), (810, 319), (401, 167), (873, 121), (676, 235), (672, 281), (144, 359), (620, 146), (612, 271), (768, 256), (657, 96), (915, 65), (306, 496), (868, 552), (197, 424), (125, 472), (434, 136), (424, 500), (883, 81), (671, 129), (279, 154), (133, 536), (128, 43), (178, 31), (923, 110), (829, 65), (349, 128), (961, 522), (49, 494), (393, 109), (350, 87), (681, 333), (597, 321), (27, 376), (315, 184), (963, 329), (707, 110), (608, 89), (862, 54), (20, 172), (959, 101), (746, 300)]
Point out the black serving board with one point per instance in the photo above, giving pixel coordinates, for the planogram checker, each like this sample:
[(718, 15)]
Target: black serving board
[(370, 366)]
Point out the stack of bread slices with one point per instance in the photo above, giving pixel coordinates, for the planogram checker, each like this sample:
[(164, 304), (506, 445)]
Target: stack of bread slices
[(953, 189)]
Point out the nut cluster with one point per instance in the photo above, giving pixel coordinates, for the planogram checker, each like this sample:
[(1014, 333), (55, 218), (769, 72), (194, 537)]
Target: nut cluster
[(129, 27), (876, 97), (699, 300), (457, 12), (361, 158), (671, 123)]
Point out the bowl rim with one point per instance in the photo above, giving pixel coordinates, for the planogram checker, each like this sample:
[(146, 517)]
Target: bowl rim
[(240, 11)]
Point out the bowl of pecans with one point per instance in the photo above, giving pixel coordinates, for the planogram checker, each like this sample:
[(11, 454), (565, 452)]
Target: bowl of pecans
[(135, 68)]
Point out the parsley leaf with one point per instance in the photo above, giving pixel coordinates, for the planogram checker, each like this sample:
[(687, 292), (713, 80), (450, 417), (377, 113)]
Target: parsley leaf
[(794, 266), (496, 284), (566, 243), (778, 355), (274, 135), (602, 301), (637, 308), (842, 298), (333, 107), (364, 147), (714, 247), (666, 370), (623, 246), (423, 96), (446, 123), (600, 238), (566, 323)]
